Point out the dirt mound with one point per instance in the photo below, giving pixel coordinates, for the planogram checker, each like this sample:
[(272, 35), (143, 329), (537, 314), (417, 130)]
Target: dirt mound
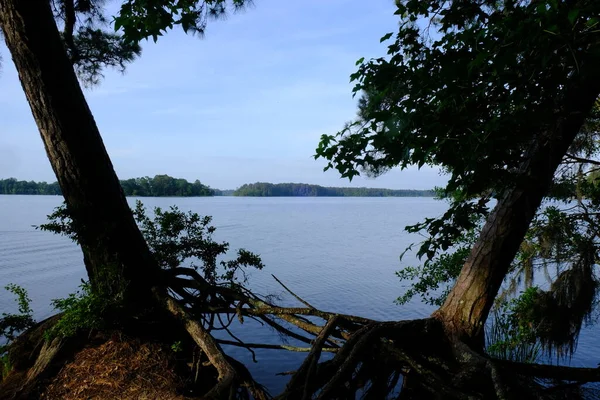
[(120, 368)]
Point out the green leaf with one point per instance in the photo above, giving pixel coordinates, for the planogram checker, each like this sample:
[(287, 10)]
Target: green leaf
[(360, 61), (386, 37), (118, 24), (572, 16)]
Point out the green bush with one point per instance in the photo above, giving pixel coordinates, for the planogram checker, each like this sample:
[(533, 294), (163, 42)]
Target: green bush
[(175, 238), (13, 324), (83, 309)]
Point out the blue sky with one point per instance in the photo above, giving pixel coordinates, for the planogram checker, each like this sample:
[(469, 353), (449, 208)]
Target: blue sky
[(247, 103)]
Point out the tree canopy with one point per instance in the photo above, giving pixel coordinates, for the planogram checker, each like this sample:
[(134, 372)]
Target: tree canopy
[(474, 89), (465, 87), (95, 41), (164, 185)]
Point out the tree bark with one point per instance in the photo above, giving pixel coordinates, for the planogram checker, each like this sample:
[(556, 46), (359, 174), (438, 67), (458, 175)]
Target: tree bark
[(115, 252), (468, 304)]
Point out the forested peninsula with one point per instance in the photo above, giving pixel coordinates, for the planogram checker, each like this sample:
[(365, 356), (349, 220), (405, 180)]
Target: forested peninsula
[(159, 186), (263, 189)]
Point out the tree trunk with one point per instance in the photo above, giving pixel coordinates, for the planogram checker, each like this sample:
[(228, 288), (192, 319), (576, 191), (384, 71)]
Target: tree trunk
[(115, 253), (467, 307)]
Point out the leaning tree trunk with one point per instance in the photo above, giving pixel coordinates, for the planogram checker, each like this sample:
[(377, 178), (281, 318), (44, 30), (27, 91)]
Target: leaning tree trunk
[(468, 304), (115, 253)]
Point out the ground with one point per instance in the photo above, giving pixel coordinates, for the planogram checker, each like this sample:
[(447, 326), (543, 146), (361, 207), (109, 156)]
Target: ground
[(119, 368)]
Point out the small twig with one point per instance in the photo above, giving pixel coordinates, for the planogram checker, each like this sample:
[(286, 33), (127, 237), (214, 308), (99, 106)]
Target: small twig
[(242, 343), (300, 299), (280, 328), (285, 373), (582, 160)]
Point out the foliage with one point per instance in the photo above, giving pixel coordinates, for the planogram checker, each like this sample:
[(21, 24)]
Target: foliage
[(263, 189), (159, 186), (164, 185), (94, 49), (177, 347), (60, 223), (512, 335), (13, 186), (93, 45), (468, 88), (468, 94), (177, 238), (13, 324), (5, 366), (82, 310), (436, 273), (141, 19)]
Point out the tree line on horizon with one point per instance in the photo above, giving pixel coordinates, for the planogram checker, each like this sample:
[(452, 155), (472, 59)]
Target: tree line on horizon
[(167, 186), (265, 189), (159, 186)]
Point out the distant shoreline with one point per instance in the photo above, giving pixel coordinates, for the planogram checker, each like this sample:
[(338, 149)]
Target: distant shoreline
[(166, 186), (230, 195), (265, 189)]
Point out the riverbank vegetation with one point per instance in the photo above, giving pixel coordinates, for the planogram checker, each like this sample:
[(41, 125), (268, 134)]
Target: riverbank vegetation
[(501, 95)]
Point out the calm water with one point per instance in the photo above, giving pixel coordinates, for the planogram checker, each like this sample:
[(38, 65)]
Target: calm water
[(340, 254)]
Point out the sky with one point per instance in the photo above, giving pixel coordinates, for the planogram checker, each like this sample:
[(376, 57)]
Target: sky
[(246, 103)]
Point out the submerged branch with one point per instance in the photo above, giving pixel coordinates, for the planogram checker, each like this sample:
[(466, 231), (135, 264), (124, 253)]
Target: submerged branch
[(275, 346), (300, 299), (552, 371)]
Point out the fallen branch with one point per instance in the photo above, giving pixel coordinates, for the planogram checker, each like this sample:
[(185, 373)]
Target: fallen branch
[(227, 374), (306, 370), (552, 371), (301, 300), (275, 346)]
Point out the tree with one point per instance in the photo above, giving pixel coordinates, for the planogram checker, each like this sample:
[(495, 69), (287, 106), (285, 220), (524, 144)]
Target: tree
[(562, 238), (494, 106), (45, 59), (496, 98), (119, 262)]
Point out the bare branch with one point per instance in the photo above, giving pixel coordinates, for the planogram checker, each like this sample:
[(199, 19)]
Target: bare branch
[(552, 371), (581, 160), (292, 293), (274, 346)]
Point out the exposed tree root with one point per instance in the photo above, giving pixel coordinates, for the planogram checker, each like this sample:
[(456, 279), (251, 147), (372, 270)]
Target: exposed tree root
[(33, 360), (230, 380), (370, 357)]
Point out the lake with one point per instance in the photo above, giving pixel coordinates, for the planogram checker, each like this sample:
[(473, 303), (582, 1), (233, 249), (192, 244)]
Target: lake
[(340, 254)]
